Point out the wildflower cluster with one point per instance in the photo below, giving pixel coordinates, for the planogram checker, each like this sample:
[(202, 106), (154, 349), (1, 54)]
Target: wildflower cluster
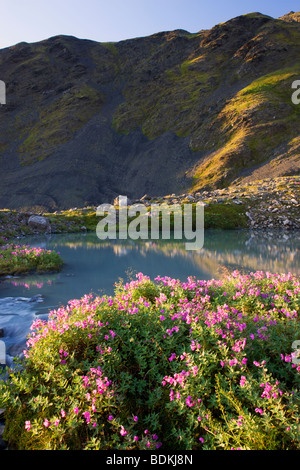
[(163, 363), (17, 259)]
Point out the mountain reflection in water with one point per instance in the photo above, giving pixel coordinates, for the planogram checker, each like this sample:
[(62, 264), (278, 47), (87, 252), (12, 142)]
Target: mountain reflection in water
[(94, 266), (99, 264)]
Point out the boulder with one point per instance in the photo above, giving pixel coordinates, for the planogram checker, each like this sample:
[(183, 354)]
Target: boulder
[(117, 201), (39, 223)]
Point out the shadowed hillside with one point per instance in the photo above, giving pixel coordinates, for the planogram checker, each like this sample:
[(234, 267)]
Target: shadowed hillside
[(169, 113)]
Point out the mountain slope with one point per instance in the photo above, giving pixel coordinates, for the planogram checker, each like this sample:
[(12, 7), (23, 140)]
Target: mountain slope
[(172, 112)]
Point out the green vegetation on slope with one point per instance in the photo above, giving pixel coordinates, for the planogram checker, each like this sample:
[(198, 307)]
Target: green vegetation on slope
[(57, 123), (208, 107)]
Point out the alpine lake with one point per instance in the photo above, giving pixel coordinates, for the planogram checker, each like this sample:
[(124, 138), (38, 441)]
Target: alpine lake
[(93, 267)]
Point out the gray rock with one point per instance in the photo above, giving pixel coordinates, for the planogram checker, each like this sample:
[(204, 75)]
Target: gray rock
[(37, 222)]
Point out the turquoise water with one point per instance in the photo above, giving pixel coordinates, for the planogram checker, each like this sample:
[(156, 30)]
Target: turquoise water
[(92, 266)]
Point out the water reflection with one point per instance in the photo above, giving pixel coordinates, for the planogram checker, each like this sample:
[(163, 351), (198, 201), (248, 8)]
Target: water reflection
[(275, 251), (93, 266)]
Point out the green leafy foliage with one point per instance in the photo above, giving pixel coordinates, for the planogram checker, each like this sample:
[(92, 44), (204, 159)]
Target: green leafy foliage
[(16, 259), (182, 365)]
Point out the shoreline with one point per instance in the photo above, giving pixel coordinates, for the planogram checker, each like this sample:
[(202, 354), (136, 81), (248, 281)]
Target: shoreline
[(266, 204)]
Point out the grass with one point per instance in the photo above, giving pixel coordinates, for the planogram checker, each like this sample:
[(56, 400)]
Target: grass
[(225, 216), (58, 122), (243, 140), (272, 81), (74, 220)]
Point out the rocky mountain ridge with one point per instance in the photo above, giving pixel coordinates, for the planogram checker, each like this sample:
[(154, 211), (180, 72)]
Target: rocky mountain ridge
[(170, 113)]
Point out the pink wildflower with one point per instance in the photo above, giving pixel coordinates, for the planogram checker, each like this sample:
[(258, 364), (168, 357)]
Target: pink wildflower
[(86, 414), (242, 381), (27, 425), (173, 356)]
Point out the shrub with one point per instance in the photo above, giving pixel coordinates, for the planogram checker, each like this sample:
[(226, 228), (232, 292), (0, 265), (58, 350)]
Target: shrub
[(183, 365), (17, 259)]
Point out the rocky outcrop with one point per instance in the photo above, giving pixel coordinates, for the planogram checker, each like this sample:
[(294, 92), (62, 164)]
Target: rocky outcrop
[(272, 203), (268, 204), (291, 16), (15, 223)]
